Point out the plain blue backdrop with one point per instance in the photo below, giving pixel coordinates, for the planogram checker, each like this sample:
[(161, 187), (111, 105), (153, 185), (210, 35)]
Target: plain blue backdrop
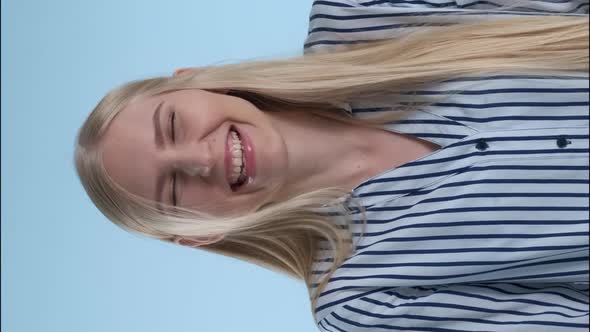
[(65, 267)]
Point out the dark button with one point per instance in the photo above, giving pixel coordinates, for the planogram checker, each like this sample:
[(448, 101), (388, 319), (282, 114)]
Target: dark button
[(562, 142), (481, 144)]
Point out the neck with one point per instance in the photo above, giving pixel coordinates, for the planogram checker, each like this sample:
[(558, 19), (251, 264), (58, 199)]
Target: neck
[(322, 153)]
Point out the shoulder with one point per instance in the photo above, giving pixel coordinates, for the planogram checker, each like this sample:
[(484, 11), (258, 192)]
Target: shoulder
[(341, 22), (469, 307)]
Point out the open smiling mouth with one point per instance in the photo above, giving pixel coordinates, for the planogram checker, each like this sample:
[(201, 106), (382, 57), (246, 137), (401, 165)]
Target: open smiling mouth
[(237, 164)]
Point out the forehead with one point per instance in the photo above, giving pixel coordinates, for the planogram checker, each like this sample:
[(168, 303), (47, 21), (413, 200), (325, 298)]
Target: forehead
[(128, 147)]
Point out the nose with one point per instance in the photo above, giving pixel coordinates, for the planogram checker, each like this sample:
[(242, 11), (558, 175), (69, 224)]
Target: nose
[(193, 158)]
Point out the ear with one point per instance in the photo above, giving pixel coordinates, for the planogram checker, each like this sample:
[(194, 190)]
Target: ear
[(182, 70), (194, 242)]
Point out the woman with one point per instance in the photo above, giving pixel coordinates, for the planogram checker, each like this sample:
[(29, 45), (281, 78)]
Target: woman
[(433, 180)]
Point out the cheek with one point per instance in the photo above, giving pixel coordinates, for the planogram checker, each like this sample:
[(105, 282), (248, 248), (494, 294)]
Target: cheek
[(197, 125), (216, 202), (203, 197), (241, 108)]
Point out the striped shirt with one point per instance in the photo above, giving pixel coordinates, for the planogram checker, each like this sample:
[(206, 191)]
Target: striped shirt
[(487, 233)]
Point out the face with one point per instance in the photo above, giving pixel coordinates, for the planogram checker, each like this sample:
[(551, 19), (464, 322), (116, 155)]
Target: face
[(177, 148)]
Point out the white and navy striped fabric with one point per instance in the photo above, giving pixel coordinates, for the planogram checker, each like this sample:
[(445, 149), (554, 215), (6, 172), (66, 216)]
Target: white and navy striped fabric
[(487, 233)]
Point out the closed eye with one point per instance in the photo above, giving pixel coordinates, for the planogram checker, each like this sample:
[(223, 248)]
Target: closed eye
[(172, 125), (173, 198)]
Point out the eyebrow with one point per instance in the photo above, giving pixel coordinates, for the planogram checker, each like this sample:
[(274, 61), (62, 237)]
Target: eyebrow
[(159, 143)]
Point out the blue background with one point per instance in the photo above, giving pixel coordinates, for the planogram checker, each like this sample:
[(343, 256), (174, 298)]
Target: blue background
[(65, 267)]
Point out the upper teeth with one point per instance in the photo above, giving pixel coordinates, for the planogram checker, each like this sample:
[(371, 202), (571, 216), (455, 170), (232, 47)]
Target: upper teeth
[(237, 155)]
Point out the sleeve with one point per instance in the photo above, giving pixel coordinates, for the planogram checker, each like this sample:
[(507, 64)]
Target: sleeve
[(341, 22), (466, 307), (536, 6)]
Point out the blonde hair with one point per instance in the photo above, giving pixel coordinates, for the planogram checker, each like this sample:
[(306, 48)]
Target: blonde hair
[(285, 236)]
